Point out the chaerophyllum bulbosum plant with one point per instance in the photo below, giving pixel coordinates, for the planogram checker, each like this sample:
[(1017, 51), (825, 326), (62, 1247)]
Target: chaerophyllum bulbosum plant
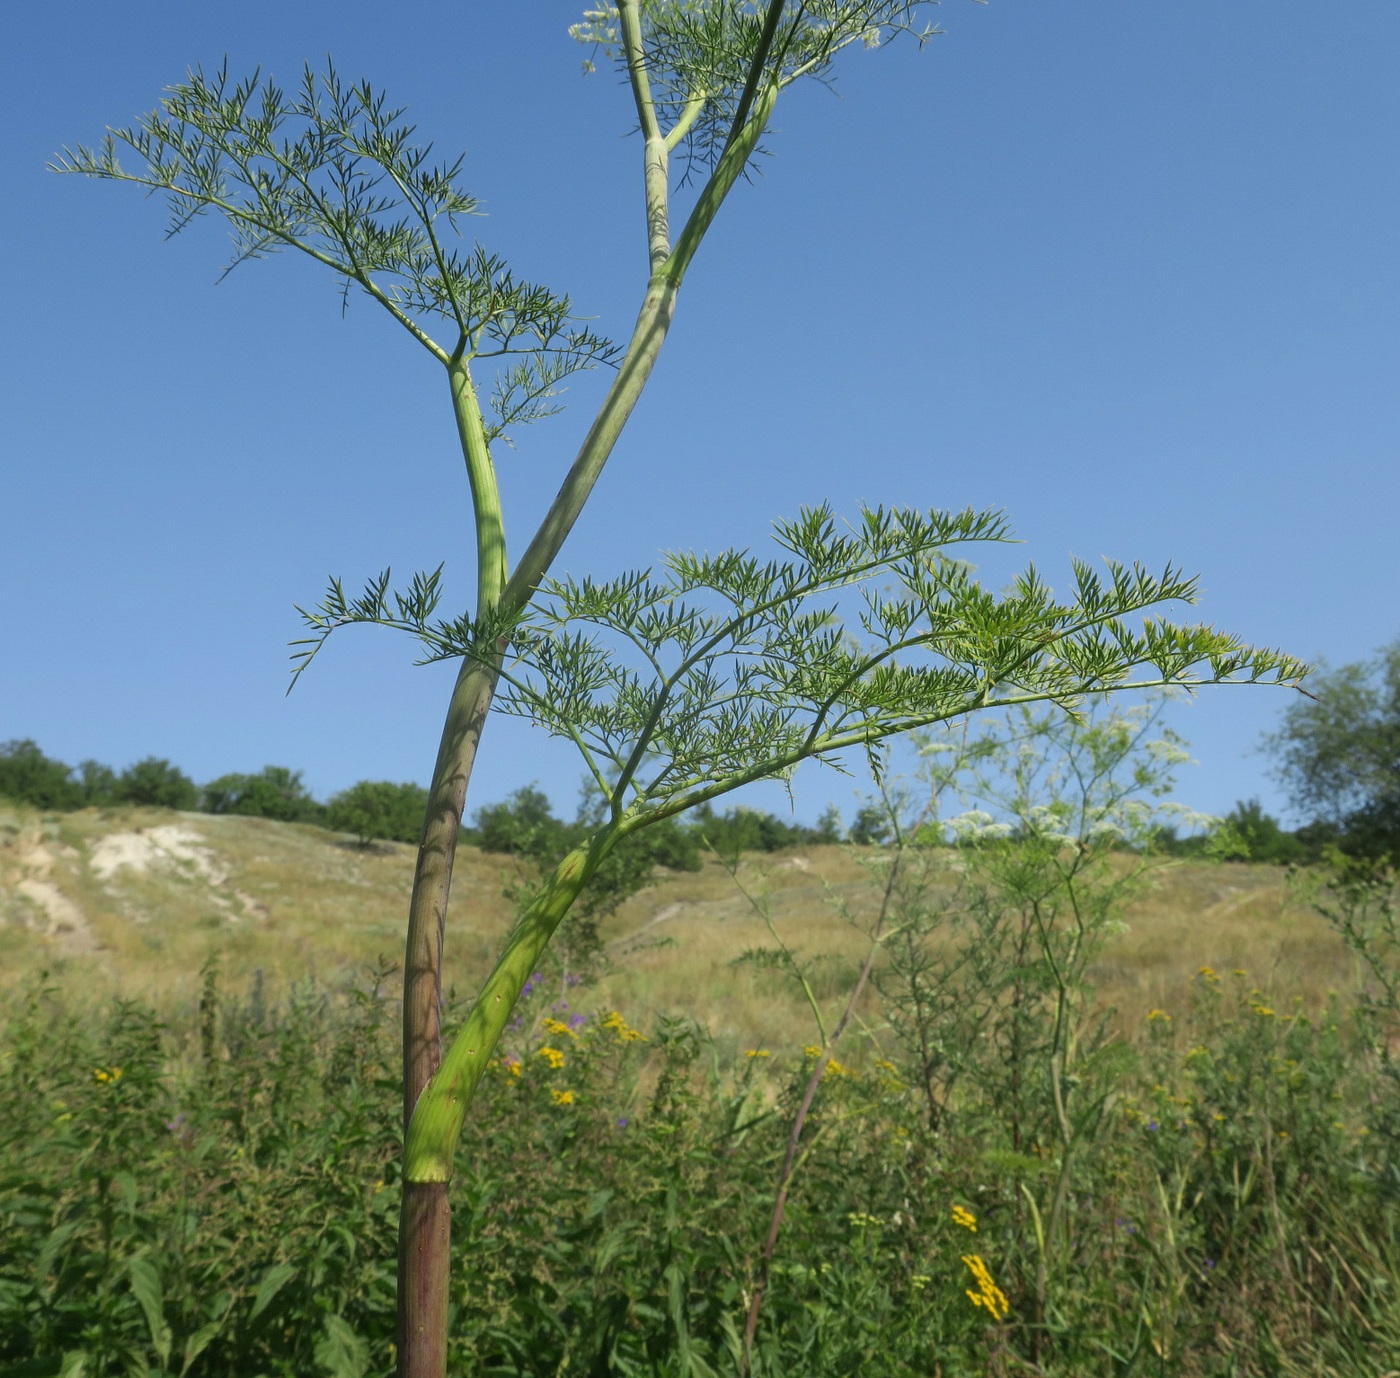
[(676, 685)]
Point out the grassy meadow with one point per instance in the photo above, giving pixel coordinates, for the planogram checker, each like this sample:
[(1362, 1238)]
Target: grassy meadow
[(1086, 1117), (293, 900)]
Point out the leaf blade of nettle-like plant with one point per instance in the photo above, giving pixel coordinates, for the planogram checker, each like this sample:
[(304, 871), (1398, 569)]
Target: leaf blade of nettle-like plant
[(272, 1282), (146, 1287), (342, 1352)]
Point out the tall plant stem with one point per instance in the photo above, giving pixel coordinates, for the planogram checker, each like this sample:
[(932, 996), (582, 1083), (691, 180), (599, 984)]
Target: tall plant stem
[(425, 1223), (434, 1109), (432, 879)]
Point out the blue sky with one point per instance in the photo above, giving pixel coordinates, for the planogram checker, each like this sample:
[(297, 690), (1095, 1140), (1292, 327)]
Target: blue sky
[(1127, 271)]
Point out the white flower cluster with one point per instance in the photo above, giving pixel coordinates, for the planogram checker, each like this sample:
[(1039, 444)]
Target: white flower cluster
[(599, 28)]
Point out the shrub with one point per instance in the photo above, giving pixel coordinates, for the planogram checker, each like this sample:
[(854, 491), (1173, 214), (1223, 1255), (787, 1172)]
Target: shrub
[(376, 810), (1253, 835), (156, 783), (275, 792), (29, 777), (522, 825)]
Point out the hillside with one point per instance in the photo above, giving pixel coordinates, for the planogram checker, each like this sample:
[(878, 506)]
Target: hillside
[(134, 901)]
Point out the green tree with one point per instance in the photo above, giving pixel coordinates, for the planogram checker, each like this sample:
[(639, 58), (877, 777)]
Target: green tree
[(1338, 754), (522, 825), (275, 792), (1253, 835), (99, 783), (743, 829), (157, 784), (378, 810), (676, 688), (30, 777)]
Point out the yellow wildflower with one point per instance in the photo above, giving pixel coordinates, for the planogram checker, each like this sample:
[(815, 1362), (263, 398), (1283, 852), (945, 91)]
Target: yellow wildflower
[(1208, 974), (965, 1218), (105, 1075), (622, 1029), (757, 1052), (987, 1294), (563, 1097), (512, 1064), (1154, 1015), (553, 1056), (557, 1026)]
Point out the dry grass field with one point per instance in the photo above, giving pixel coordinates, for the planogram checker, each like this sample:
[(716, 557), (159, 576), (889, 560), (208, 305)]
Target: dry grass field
[(133, 902)]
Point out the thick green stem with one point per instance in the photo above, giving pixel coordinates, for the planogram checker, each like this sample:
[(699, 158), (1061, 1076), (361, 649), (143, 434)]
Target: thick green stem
[(461, 735), (649, 334), (656, 161), (727, 171), (437, 1120), (437, 1090), (486, 493), (432, 879), (425, 1225)]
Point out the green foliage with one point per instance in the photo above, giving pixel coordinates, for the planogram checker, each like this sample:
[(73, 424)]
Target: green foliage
[(741, 829), (764, 674), (29, 777), (709, 52), (1358, 900), (155, 783), (1250, 834), (378, 810), (329, 170), (275, 792), (522, 825), (214, 1194), (872, 826), (1338, 753), (99, 783)]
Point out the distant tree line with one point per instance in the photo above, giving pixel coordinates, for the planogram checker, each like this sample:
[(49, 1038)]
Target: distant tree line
[(1337, 753), (523, 825), (371, 809)]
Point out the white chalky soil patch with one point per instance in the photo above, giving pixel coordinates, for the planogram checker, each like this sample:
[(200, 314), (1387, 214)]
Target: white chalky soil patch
[(169, 847), (28, 874), (172, 847)]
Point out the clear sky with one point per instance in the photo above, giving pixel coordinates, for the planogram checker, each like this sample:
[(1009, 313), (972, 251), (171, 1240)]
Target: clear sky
[(1127, 271)]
